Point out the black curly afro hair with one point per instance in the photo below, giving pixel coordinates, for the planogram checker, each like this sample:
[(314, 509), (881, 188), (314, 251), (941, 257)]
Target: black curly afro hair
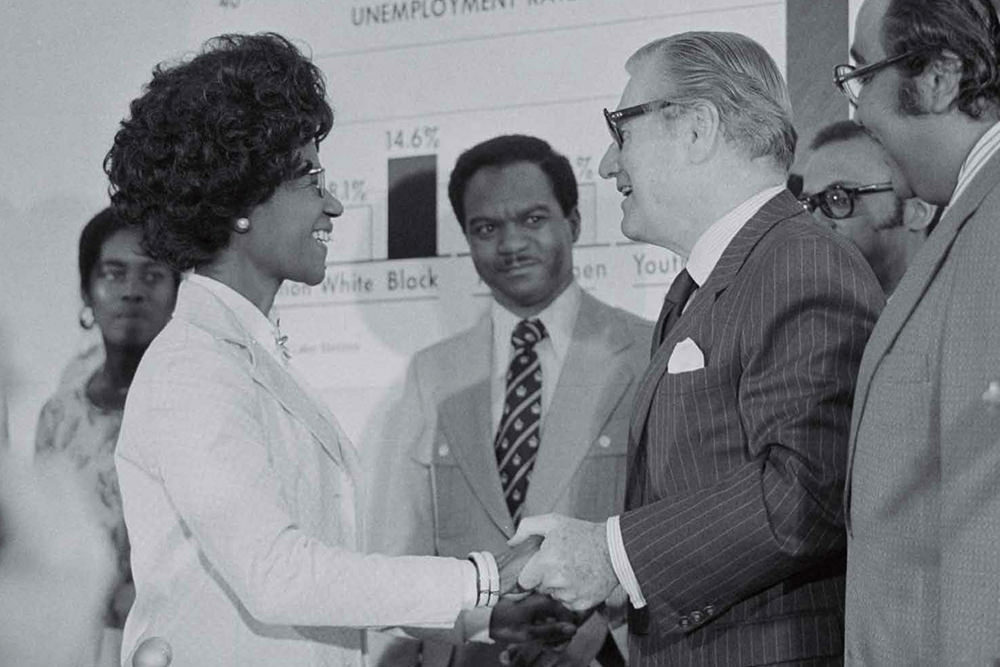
[(212, 137)]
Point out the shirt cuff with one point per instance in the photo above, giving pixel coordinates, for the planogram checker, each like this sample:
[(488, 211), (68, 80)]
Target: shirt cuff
[(470, 590), (621, 565)]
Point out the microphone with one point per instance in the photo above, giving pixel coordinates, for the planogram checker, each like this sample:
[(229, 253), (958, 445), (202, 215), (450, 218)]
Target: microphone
[(153, 652)]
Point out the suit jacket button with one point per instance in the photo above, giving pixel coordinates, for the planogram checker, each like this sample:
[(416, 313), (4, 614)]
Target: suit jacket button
[(697, 617), (684, 622), (709, 610), (443, 451), (604, 441)]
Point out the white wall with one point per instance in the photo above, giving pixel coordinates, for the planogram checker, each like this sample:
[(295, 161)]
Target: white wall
[(67, 73)]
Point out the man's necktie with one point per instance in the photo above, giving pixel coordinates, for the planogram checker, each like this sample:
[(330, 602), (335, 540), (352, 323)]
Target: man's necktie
[(518, 435), (673, 305)]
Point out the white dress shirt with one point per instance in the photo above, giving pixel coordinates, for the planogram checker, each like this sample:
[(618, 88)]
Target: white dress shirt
[(980, 154), (704, 256), (558, 318)]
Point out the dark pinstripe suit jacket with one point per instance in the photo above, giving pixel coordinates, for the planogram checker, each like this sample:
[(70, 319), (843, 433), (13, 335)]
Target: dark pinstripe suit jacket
[(734, 523)]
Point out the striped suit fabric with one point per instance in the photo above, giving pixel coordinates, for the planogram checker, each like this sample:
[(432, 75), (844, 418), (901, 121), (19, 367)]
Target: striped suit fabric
[(734, 522)]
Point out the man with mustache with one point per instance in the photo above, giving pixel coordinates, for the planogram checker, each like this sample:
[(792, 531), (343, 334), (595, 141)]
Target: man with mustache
[(527, 411), (923, 491), (852, 185)]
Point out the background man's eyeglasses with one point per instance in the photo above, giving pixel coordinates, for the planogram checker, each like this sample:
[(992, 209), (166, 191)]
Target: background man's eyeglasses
[(614, 118), (850, 79), (837, 201)]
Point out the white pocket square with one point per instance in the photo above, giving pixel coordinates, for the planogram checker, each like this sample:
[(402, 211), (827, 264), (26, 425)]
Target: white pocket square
[(686, 357)]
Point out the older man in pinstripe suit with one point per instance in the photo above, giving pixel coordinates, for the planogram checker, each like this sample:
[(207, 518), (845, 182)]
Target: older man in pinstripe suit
[(731, 544)]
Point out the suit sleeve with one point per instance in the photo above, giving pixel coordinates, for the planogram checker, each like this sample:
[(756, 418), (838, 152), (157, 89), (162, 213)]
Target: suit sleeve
[(196, 427), (801, 336), (401, 519)]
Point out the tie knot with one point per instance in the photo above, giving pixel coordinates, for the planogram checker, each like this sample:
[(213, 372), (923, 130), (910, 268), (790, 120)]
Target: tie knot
[(527, 333), (682, 288)]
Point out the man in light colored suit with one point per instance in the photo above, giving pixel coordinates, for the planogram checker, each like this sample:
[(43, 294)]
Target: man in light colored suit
[(851, 184), (923, 493), (731, 545), (452, 477)]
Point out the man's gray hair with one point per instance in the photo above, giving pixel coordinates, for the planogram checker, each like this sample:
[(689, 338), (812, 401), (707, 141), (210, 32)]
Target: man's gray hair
[(739, 78)]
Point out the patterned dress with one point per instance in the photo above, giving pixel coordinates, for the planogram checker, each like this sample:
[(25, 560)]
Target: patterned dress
[(71, 425)]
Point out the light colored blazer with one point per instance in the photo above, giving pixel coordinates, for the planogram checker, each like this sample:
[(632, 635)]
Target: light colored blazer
[(240, 497), (923, 501), (440, 490)]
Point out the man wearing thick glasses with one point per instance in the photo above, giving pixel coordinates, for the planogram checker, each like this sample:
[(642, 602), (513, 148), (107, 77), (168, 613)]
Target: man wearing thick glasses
[(923, 491), (851, 184), (731, 544)]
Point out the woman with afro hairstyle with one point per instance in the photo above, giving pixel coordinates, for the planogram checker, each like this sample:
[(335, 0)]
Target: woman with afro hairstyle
[(240, 490)]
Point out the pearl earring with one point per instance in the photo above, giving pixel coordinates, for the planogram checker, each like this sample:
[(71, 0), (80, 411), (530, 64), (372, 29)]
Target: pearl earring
[(86, 317), (242, 225)]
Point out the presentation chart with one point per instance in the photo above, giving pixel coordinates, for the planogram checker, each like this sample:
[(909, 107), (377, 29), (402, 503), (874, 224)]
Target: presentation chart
[(413, 85)]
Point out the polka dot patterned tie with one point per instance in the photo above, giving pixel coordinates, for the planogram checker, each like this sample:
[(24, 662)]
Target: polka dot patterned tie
[(518, 435)]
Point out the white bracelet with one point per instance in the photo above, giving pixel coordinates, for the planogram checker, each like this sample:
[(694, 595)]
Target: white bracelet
[(493, 581), (480, 564), (487, 578)]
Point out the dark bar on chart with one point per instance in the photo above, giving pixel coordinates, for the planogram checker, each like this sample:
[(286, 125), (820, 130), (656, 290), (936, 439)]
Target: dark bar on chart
[(412, 209)]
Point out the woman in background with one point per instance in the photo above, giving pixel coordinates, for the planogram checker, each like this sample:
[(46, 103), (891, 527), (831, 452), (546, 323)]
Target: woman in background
[(129, 297), (240, 490)]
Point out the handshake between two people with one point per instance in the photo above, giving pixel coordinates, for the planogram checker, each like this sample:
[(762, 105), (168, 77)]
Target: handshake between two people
[(555, 574)]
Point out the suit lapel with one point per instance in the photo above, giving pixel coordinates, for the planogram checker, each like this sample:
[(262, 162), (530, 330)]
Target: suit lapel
[(591, 384), (466, 420), (203, 309), (317, 419), (911, 289), (661, 321), (780, 207)]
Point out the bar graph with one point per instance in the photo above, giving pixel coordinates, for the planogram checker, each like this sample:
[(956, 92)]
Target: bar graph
[(410, 95), (412, 207), (353, 235)]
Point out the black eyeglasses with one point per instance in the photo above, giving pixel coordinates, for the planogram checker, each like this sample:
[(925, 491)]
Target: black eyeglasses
[(837, 201), (850, 79), (613, 118)]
